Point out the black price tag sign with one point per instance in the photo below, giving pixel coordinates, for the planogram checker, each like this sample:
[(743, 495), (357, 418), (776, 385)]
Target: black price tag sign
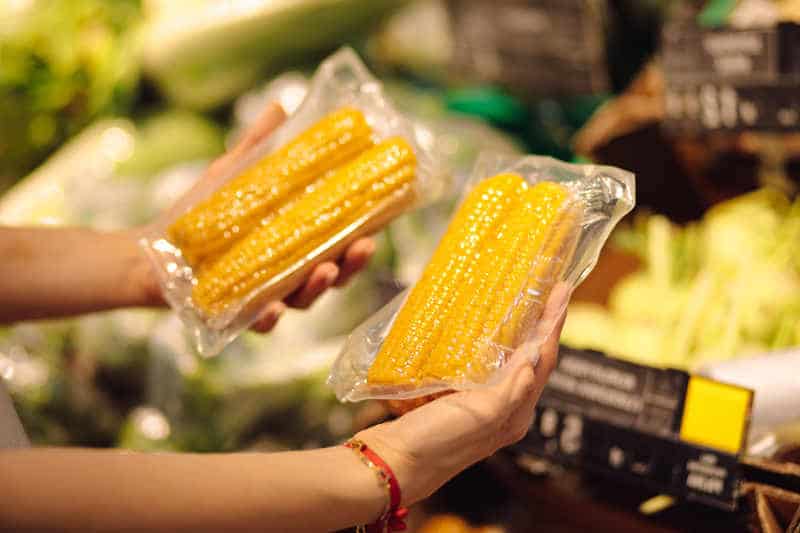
[(541, 47), (729, 79), (618, 392), (664, 429), (713, 106), (691, 54)]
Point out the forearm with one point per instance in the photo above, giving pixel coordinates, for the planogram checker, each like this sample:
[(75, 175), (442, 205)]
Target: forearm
[(319, 490), (54, 272)]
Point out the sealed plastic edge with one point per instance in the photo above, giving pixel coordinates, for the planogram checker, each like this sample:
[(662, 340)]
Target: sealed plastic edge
[(341, 80), (605, 194)]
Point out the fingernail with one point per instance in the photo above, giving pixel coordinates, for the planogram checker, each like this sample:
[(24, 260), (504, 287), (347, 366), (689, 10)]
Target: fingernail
[(276, 107), (530, 351), (276, 309), (369, 247), (331, 276)]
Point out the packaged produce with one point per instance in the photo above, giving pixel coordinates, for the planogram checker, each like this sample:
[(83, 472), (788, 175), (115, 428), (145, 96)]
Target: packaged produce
[(344, 165), (533, 223)]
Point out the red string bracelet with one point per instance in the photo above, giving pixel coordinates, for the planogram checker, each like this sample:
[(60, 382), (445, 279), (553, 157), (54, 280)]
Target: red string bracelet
[(393, 516)]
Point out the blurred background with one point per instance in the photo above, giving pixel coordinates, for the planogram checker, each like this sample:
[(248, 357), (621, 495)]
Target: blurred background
[(110, 109)]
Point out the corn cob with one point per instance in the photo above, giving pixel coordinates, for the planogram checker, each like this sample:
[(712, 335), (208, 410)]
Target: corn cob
[(238, 206), (417, 326), (376, 180), (551, 250), (455, 353), (518, 253)]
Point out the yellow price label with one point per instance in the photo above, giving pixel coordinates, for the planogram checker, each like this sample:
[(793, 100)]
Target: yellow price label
[(715, 414)]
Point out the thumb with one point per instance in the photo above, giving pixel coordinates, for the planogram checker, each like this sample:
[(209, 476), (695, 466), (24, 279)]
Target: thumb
[(545, 335)]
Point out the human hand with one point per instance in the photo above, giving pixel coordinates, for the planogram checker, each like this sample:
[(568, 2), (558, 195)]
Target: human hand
[(431, 444), (323, 277)]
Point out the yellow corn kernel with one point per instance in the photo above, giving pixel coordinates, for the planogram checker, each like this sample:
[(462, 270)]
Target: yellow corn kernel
[(418, 325), (550, 253), (238, 206), (519, 253), (455, 352), (328, 210), (522, 251)]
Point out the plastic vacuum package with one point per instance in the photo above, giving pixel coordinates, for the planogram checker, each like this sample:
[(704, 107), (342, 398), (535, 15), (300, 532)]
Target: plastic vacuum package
[(342, 166), (524, 226)]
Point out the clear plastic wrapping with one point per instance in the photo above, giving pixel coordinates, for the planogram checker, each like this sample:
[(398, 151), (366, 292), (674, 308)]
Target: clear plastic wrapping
[(481, 309), (341, 85)]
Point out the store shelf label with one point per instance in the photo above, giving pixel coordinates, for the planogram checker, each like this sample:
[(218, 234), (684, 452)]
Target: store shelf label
[(731, 79), (715, 414), (715, 106), (692, 54), (665, 429)]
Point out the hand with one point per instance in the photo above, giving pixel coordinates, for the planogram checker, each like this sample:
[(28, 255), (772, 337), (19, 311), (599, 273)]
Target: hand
[(433, 443), (323, 277)]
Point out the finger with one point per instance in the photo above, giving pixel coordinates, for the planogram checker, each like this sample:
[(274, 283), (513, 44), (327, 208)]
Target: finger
[(505, 403), (531, 349), (529, 383), (322, 278), (557, 302), (522, 416), (268, 317), (212, 178), (272, 116), (522, 385), (533, 384), (526, 384), (356, 258), (554, 316)]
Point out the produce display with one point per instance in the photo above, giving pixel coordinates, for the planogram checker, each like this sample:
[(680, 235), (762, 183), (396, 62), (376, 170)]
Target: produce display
[(726, 286), (525, 225), (203, 53), (111, 111), (264, 392), (63, 65)]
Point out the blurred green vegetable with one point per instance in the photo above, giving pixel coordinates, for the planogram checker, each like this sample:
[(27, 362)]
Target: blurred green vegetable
[(61, 64), (171, 137), (726, 286), (260, 384), (73, 381), (57, 402), (115, 173), (204, 53), (147, 429)]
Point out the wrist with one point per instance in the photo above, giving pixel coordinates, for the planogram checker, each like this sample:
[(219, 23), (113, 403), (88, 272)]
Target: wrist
[(145, 290), (360, 486), (414, 480), (392, 518)]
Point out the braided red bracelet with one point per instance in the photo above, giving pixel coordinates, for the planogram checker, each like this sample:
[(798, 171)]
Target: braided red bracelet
[(392, 518)]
